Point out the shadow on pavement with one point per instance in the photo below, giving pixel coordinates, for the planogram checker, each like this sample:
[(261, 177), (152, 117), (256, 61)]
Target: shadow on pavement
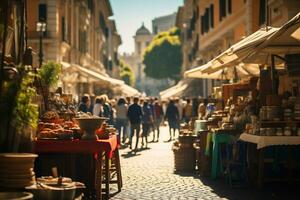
[(130, 154), (271, 191), (134, 153)]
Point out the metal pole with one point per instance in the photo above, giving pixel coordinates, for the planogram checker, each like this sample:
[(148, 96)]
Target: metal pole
[(41, 50)]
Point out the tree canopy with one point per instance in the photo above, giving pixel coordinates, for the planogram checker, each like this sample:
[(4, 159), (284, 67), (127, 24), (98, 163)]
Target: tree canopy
[(126, 73), (163, 57)]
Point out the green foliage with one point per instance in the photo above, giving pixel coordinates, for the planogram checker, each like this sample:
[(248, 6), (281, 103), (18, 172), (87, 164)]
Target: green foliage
[(49, 73), (126, 73), (25, 112), (163, 57)]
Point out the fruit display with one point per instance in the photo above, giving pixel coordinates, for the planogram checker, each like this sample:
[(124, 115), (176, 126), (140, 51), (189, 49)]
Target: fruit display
[(63, 130), (50, 115)]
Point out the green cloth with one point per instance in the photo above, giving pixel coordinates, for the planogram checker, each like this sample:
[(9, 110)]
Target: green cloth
[(208, 140), (217, 139)]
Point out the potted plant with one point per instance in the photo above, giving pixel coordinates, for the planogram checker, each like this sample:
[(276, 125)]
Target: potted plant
[(49, 76)]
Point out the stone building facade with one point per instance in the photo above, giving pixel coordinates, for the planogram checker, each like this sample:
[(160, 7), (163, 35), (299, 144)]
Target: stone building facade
[(78, 33)]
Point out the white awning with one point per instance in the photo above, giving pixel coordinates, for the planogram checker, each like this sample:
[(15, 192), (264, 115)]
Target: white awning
[(129, 91), (174, 91), (286, 40), (90, 75), (239, 71), (240, 50)]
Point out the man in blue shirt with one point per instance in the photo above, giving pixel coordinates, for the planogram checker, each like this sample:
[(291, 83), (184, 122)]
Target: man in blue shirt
[(135, 115), (84, 104)]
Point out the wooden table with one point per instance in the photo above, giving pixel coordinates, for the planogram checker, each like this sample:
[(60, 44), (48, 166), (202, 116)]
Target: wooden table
[(94, 147), (262, 142)]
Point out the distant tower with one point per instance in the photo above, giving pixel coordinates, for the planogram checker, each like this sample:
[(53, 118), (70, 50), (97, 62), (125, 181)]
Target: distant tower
[(142, 39)]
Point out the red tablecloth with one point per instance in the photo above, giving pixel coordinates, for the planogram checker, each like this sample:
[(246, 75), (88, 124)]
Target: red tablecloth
[(77, 146)]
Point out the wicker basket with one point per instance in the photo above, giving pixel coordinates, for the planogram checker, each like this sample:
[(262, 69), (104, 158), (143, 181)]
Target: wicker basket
[(184, 157)]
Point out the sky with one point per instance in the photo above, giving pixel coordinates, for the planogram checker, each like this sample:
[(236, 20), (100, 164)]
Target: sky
[(130, 14)]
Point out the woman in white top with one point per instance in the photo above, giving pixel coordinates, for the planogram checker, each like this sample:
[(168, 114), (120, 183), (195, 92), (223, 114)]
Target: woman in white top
[(121, 118), (98, 106)]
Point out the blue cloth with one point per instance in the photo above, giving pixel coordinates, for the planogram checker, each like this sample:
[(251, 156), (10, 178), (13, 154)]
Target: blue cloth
[(135, 113)]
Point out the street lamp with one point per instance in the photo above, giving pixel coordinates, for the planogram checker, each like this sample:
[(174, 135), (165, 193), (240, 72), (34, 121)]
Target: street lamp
[(41, 28)]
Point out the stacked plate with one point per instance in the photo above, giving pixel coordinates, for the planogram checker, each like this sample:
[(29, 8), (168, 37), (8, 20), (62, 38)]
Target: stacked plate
[(297, 111), (16, 170)]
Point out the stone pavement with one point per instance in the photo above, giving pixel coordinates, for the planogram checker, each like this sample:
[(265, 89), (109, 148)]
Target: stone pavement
[(149, 174)]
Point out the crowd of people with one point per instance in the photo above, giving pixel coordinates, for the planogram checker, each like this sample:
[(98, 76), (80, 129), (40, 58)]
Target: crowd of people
[(142, 117)]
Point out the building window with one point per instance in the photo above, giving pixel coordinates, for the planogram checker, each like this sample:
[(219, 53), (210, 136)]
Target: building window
[(102, 25), (206, 20), (262, 12), (225, 8), (63, 29), (229, 7), (91, 5), (206, 16), (42, 12), (222, 9), (211, 15)]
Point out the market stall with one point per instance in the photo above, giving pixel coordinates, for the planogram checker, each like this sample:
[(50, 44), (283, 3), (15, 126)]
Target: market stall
[(66, 138), (263, 111)]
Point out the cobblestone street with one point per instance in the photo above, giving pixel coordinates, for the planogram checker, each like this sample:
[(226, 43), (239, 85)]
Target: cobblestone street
[(149, 174)]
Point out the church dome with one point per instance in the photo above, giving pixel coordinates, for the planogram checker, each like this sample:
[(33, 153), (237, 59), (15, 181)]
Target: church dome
[(143, 31)]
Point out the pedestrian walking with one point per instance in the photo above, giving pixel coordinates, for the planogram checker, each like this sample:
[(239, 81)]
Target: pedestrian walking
[(92, 100), (98, 107), (107, 111), (187, 111), (179, 105), (147, 121), (152, 126), (129, 102), (121, 118), (172, 115), (159, 116), (84, 105), (195, 105), (135, 115)]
